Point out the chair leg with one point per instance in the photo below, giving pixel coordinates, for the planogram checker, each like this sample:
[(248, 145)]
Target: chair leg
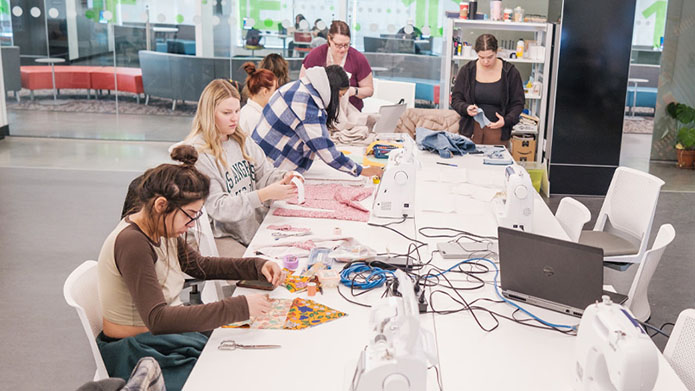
[(16, 95), (147, 99), (32, 95), (173, 105), (137, 96)]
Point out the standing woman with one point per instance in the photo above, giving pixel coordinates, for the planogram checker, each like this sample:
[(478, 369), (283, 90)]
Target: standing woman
[(242, 181), (338, 52), (493, 85), (141, 274), (278, 65), (260, 84), (294, 127)]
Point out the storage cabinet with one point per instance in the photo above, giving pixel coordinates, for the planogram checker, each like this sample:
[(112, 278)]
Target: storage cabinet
[(538, 60)]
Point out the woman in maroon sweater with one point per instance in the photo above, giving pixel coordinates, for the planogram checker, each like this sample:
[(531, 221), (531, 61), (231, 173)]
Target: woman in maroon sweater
[(338, 52)]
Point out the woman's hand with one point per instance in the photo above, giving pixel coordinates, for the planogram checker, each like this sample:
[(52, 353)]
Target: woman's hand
[(271, 271), (277, 191), (370, 171), (259, 304), (472, 110), (498, 124)]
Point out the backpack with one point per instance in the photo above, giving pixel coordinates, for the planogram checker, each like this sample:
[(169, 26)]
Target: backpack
[(253, 37)]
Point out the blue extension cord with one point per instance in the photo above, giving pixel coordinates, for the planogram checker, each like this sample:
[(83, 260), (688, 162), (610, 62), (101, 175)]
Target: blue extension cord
[(497, 272), (376, 278)]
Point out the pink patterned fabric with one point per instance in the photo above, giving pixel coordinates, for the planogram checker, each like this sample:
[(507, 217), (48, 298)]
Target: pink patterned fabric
[(287, 227), (339, 201)]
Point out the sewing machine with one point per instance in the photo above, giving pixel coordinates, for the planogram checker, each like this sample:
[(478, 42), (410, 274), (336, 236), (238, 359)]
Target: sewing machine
[(517, 210), (613, 351), (396, 192), (399, 351)]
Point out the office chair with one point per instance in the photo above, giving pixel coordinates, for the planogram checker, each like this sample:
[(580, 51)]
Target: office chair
[(572, 215), (680, 348)]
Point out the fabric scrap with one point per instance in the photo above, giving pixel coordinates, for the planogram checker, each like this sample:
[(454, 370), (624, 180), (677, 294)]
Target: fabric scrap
[(288, 227), (444, 143), (306, 313)]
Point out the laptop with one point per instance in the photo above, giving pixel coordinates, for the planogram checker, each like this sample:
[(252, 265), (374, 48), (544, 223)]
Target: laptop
[(388, 118), (551, 273)]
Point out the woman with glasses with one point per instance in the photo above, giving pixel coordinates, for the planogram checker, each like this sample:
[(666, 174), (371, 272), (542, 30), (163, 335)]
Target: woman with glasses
[(141, 275), (338, 52), (242, 181)]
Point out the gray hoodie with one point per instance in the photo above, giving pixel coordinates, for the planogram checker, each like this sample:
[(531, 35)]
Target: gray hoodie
[(233, 204)]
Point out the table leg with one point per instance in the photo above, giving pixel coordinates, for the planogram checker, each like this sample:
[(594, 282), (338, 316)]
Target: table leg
[(53, 77), (634, 101)]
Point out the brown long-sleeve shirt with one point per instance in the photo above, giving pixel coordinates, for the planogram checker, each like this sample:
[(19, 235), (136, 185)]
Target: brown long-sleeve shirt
[(140, 282)]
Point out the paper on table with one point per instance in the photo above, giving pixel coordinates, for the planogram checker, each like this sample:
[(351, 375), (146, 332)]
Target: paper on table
[(477, 192), (443, 174), (442, 203)]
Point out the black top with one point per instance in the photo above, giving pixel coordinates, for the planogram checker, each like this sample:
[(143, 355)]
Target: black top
[(489, 98), (463, 95)]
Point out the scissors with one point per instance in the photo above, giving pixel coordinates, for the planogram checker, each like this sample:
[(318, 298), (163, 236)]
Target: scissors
[(229, 344)]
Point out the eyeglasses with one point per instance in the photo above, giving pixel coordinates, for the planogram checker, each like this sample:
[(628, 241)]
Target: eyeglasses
[(341, 45), (192, 218)]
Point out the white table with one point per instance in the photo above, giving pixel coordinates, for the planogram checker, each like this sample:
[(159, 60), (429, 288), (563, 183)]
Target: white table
[(510, 357), (52, 61), (635, 81)]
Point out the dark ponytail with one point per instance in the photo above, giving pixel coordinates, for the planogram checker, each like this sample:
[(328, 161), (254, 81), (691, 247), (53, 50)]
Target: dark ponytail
[(338, 80)]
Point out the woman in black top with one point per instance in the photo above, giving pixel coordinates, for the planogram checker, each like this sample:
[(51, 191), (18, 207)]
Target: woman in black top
[(493, 85)]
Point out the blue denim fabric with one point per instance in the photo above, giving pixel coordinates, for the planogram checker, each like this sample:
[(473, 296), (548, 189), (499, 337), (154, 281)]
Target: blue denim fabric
[(442, 142), (481, 119)]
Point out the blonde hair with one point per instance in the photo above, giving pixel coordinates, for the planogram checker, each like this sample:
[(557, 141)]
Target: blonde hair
[(204, 121)]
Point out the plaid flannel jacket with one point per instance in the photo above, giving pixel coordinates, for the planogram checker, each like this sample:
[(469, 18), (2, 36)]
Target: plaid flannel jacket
[(293, 130)]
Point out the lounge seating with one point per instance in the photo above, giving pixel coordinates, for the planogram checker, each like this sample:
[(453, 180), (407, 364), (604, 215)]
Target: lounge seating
[(10, 70), (38, 77)]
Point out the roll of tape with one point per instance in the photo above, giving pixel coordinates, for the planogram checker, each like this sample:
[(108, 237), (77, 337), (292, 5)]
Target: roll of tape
[(300, 189), (290, 262)]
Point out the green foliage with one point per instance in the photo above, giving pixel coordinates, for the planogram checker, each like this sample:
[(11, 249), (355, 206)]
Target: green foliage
[(686, 138), (681, 112)]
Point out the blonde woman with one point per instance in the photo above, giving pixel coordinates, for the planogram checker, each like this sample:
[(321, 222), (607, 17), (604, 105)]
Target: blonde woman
[(242, 182)]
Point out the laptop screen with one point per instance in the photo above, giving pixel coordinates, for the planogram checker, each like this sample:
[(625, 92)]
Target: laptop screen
[(388, 118), (555, 270)]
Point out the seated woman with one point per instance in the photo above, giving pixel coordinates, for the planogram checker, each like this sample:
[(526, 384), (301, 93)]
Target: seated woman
[(294, 127), (260, 83), (242, 181), (141, 274), (493, 85), (278, 65), (338, 52)]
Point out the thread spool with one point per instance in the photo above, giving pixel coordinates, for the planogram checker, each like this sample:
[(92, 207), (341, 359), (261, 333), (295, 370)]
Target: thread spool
[(290, 262), (311, 289)]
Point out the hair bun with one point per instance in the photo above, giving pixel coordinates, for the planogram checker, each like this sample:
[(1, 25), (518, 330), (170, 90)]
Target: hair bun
[(185, 154), (249, 67)]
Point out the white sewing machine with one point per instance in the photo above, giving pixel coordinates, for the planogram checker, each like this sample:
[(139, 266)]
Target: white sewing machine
[(396, 192), (399, 351), (517, 210), (613, 351)]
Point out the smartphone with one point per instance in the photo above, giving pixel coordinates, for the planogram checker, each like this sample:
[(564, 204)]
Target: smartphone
[(256, 284)]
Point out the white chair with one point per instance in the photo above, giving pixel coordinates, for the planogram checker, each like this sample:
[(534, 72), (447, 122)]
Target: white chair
[(637, 300), (207, 248), (625, 220), (572, 215), (680, 348), (80, 291), (394, 91)]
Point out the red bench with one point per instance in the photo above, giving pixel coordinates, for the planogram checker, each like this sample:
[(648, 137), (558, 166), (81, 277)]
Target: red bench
[(38, 77)]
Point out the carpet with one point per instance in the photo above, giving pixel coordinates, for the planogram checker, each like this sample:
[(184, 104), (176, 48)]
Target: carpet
[(106, 103), (639, 124)]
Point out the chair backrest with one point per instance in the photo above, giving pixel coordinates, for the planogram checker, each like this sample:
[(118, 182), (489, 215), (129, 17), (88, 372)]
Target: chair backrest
[(680, 349), (630, 204), (302, 37), (394, 91), (81, 292), (11, 68), (572, 215), (637, 299), (207, 248)]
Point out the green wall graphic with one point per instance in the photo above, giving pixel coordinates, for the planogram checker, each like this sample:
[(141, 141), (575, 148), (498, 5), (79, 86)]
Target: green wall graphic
[(253, 10), (658, 8)]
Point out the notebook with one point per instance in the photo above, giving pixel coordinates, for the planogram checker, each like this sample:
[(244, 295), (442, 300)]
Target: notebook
[(551, 273), (388, 118)]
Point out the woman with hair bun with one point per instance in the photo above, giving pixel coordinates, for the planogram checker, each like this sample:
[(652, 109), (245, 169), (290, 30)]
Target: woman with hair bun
[(141, 275), (260, 84)]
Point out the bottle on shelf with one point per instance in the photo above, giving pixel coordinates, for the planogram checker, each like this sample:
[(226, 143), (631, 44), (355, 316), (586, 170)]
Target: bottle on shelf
[(463, 10), (472, 9), (520, 48)]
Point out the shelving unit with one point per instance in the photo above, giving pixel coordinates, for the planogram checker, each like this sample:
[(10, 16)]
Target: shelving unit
[(540, 67)]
